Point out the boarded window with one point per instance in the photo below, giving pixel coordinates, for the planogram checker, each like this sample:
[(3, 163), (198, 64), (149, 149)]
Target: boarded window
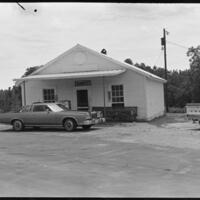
[(117, 96), (49, 95)]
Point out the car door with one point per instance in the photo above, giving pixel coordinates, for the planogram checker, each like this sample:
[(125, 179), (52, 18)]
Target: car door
[(40, 116)]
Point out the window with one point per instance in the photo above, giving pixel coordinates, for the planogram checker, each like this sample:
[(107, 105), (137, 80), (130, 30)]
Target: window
[(117, 96), (40, 108), (49, 95)]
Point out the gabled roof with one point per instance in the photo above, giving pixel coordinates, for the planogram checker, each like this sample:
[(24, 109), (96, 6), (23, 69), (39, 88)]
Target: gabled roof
[(122, 64)]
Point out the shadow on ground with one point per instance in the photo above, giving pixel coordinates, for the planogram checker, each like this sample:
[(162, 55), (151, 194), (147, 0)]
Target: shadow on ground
[(50, 130), (169, 118)]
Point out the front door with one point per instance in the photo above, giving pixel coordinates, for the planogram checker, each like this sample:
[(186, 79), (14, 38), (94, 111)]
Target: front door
[(82, 99)]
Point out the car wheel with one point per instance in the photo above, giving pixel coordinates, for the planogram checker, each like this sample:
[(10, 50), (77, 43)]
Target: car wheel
[(86, 127), (18, 125), (69, 125)]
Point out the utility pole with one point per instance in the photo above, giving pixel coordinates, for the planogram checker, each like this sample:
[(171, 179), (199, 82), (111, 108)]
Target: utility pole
[(163, 43)]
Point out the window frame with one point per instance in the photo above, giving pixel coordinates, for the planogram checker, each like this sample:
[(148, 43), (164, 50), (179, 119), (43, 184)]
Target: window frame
[(50, 100), (117, 96)]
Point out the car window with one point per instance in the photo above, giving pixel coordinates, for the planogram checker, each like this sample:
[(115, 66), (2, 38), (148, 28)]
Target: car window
[(40, 108), (25, 109)]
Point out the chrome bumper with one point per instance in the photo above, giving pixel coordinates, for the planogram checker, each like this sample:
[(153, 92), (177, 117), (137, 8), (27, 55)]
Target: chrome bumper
[(94, 121)]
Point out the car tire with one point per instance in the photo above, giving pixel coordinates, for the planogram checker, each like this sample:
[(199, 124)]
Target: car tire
[(18, 125), (86, 127), (69, 125)]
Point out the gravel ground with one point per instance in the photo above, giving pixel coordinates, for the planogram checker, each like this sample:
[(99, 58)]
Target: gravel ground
[(155, 159)]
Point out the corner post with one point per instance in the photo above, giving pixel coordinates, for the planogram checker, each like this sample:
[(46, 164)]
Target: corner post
[(104, 100)]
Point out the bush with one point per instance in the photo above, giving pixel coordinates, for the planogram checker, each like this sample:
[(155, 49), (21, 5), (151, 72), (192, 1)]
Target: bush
[(176, 110)]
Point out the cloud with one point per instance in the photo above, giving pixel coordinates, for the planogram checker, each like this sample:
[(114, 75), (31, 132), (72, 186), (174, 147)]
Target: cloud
[(150, 11)]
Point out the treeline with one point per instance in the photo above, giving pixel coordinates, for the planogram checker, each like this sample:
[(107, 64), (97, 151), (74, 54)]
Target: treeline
[(10, 99)]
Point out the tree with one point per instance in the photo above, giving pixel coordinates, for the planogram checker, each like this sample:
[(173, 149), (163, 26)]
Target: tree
[(30, 70), (129, 61), (194, 55), (10, 99), (16, 98)]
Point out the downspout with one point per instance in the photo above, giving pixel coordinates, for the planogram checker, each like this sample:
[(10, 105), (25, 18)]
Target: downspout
[(104, 100)]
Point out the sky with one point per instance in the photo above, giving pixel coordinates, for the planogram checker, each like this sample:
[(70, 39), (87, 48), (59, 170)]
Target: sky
[(125, 30)]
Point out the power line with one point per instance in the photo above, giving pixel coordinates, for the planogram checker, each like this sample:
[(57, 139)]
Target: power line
[(174, 43)]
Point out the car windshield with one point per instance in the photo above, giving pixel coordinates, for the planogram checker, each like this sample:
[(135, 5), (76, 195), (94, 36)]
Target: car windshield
[(55, 107), (63, 107)]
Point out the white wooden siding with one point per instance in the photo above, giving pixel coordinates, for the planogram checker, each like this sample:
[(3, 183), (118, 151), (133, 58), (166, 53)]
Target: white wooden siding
[(155, 99)]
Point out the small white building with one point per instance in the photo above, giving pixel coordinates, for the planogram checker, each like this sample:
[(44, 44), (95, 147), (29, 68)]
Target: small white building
[(89, 80)]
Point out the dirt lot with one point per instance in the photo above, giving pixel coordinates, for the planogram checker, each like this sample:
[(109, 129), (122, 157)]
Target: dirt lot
[(156, 159)]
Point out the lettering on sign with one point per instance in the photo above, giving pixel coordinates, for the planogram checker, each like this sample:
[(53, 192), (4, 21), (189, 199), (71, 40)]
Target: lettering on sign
[(83, 83)]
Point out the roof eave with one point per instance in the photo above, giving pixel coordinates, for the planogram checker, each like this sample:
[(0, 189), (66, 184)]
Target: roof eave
[(157, 79), (67, 76)]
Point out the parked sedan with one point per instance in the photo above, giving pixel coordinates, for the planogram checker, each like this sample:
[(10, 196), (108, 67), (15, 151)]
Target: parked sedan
[(51, 115)]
